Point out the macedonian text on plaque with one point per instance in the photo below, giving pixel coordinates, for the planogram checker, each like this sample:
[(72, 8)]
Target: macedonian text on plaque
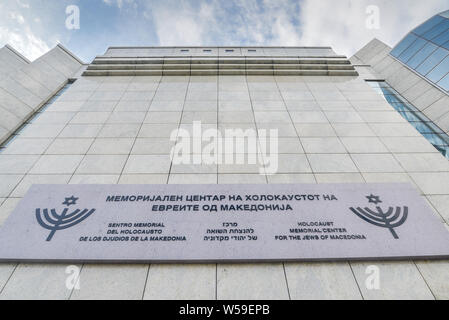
[(222, 223)]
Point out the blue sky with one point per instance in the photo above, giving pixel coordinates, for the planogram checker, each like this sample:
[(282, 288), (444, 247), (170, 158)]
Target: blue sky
[(35, 26)]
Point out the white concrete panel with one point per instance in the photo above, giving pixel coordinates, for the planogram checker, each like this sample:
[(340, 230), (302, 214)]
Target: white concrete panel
[(181, 282), (321, 281), (14, 105), (436, 275), (397, 281), (111, 282), (251, 282), (36, 282)]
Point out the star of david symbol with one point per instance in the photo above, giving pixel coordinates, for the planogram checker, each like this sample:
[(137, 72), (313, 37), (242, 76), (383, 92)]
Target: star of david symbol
[(374, 199), (70, 201)]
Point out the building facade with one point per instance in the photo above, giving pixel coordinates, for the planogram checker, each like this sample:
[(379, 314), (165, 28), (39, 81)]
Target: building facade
[(368, 119)]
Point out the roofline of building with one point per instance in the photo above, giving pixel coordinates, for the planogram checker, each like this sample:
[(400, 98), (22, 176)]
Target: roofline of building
[(443, 12), (70, 53), (17, 53), (214, 57), (219, 47)]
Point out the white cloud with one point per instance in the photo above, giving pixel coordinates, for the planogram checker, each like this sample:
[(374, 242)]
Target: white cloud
[(18, 28), (17, 17), (181, 24), (343, 25), (23, 4), (249, 22), (24, 41), (119, 3)]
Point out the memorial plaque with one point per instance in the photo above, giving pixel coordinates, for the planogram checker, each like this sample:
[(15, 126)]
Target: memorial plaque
[(222, 223)]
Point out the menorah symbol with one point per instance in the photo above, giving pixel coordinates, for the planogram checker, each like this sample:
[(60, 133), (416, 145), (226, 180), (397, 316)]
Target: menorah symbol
[(53, 221), (390, 219)]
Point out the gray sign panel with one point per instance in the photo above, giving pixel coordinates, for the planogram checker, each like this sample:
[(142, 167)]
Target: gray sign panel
[(222, 223)]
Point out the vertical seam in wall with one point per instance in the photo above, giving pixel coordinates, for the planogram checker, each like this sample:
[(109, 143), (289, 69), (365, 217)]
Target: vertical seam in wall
[(141, 125), (355, 280), (179, 126), (294, 127), (443, 220), (146, 282), (218, 116), (286, 281), (221, 155), (99, 131), (425, 281), (216, 281), (78, 280), (9, 278), (255, 126)]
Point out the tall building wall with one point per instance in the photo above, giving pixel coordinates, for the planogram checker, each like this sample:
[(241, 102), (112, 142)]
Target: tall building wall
[(25, 87), (425, 96), (10, 61), (113, 126)]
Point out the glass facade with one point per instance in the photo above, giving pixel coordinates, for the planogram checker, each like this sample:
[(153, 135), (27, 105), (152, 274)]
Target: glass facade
[(417, 119), (426, 50)]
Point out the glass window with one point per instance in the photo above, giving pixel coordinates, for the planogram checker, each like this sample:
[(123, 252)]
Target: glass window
[(444, 83), (437, 30), (412, 50), (415, 117), (387, 90), (429, 24), (435, 128), (375, 84), (399, 106), (446, 45), (440, 71), (422, 127), (430, 63), (435, 139), (391, 98), (404, 44), (444, 150), (410, 116), (422, 55), (442, 38)]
